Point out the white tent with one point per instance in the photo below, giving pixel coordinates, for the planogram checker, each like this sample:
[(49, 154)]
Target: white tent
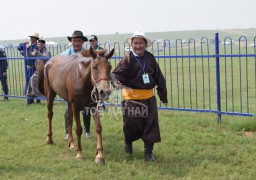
[(51, 44)]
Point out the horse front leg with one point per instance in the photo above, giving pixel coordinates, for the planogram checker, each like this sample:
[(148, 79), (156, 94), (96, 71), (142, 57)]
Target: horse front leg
[(99, 153), (70, 124), (79, 131)]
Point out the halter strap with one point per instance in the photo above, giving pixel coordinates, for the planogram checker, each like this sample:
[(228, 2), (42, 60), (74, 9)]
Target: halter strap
[(98, 80)]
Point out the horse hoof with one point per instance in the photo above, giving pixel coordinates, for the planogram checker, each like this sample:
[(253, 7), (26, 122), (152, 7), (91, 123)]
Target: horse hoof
[(100, 160), (72, 146), (49, 140), (79, 157)]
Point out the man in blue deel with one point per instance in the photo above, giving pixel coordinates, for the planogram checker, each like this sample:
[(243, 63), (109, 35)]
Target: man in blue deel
[(26, 49)]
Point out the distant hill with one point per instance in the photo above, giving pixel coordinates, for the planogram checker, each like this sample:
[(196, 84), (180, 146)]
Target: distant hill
[(170, 35)]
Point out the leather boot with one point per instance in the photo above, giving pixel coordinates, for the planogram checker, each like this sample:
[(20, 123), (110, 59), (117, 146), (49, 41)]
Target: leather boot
[(128, 148), (148, 152), (30, 101)]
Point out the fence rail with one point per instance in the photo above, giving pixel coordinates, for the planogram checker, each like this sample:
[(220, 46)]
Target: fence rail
[(201, 76)]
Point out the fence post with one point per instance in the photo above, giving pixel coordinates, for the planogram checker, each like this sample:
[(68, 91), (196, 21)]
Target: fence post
[(24, 49), (218, 95)]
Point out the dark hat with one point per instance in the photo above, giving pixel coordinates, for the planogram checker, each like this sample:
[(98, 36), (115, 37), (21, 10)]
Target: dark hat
[(41, 41), (93, 37), (78, 34)]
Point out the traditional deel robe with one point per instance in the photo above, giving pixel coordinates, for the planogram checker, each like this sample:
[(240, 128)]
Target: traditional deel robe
[(29, 64), (32, 89), (139, 104)]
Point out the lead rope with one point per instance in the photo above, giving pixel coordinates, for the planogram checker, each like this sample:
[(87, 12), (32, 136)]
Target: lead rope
[(94, 94), (100, 104), (113, 105), (94, 99)]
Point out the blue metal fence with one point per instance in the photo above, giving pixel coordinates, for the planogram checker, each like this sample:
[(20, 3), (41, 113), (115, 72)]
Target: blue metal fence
[(204, 75)]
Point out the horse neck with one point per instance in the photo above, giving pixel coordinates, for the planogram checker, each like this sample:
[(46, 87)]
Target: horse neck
[(86, 74)]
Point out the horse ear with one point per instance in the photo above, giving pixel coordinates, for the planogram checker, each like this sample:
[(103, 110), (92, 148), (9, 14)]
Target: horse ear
[(109, 55), (92, 53), (85, 53), (101, 53)]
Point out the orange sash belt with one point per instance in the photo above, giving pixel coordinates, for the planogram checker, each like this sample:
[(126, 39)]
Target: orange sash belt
[(137, 94)]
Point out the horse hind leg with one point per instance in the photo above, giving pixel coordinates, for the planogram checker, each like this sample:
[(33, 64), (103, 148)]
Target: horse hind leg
[(50, 98)]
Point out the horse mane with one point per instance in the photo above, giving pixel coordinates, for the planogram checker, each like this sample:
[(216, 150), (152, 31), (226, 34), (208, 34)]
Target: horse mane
[(85, 59), (86, 53)]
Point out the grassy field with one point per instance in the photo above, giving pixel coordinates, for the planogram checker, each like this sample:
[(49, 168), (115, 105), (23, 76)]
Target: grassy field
[(193, 146)]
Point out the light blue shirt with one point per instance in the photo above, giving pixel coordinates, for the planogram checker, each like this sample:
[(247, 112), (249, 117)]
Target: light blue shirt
[(71, 51)]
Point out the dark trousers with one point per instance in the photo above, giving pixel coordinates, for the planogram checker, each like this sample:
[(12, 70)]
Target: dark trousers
[(141, 121), (3, 80), (86, 120), (29, 72)]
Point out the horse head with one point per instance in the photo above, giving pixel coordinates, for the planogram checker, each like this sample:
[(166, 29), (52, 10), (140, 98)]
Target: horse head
[(100, 72)]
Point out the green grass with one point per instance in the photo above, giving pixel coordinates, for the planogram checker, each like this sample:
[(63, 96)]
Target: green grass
[(194, 146)]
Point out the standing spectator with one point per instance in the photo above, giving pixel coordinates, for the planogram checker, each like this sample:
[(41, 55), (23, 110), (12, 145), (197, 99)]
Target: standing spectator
[(94, 43), (26, 50), (3, 73), (42, 51), (77, 39), (139, 73)]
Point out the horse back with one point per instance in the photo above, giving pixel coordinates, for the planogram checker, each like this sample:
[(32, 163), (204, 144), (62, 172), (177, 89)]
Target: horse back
[(67, 76)]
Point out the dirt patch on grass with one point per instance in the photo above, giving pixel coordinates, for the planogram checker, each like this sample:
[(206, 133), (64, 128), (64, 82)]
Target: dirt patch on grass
[(249, 133)]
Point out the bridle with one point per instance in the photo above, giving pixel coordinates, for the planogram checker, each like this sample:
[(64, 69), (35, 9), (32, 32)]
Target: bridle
[(98, 80), (94, 91)]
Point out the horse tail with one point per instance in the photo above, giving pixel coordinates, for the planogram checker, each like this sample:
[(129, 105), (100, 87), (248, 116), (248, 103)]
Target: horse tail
[(40, 77)]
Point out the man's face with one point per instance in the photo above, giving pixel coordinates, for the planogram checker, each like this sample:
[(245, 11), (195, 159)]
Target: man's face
[(33, 40), (40, 45), (77, 43), (139, 45), (93, 43)]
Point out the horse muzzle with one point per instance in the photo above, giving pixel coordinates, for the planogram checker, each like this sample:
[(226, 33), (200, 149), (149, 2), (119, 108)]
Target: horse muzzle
[(104, 94)]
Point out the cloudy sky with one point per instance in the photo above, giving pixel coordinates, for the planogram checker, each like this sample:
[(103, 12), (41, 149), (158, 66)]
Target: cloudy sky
[(55, 18)]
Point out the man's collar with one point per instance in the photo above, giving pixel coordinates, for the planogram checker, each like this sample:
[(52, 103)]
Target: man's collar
[(136, 55), (77, 51)]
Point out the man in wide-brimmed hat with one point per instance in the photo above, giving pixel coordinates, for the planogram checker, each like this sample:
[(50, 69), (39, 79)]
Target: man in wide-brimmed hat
[(139, 73), (77, 40), (26, 49)]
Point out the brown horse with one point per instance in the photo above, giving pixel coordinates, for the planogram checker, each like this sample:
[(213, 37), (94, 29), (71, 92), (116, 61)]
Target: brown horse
[(74, 79)]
